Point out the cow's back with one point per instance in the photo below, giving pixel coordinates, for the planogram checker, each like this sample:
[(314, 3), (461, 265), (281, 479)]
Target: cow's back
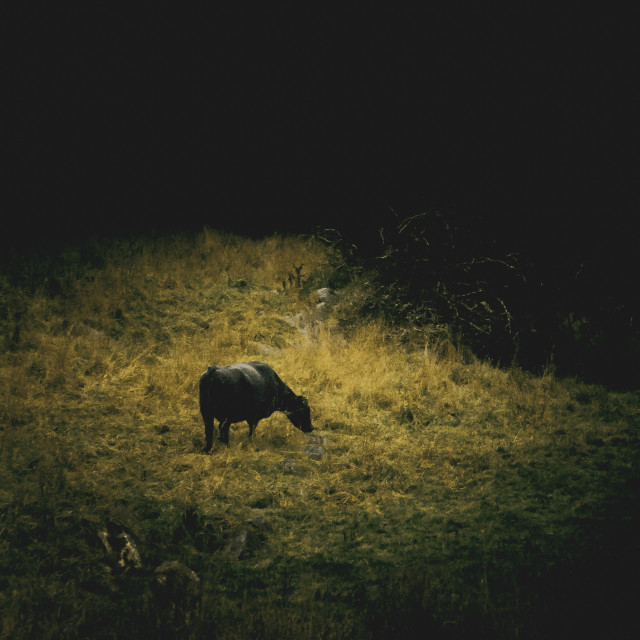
[(243, 391)]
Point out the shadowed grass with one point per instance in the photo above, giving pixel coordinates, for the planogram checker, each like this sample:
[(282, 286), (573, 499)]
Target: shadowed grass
[(454, 497)]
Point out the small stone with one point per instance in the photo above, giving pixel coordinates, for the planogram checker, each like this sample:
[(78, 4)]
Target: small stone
[(314, 451), (237, 545), (292, 467), (299, 321), (319, 438), (325, 295), (260, 523)]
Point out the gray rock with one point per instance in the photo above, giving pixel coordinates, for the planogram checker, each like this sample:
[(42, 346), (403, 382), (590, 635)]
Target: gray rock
[(327, 299), (314, 451), (237, 545), (299, 321), (292, 467), (327, 296), (260, 523), (320, 438)]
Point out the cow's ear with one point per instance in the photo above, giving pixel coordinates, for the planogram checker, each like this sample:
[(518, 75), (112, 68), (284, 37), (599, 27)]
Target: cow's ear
[(304, 401)]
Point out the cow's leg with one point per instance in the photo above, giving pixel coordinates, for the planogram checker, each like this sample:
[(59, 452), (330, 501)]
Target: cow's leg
[(207, 411), (208, 434), (252, 426), (224, 431)]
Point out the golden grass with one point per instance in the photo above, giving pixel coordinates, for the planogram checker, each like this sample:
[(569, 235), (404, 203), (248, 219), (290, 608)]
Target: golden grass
[(442, 472)]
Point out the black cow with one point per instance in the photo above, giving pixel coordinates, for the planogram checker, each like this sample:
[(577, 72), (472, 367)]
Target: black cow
[(247, 391)]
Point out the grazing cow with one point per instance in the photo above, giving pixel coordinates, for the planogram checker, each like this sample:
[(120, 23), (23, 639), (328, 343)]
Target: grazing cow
[(247, 391)]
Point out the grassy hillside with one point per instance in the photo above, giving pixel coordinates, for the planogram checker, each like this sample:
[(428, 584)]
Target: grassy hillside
[(453, 499)]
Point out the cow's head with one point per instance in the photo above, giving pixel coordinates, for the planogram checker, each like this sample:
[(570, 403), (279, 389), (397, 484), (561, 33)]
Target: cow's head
[(299, 414)]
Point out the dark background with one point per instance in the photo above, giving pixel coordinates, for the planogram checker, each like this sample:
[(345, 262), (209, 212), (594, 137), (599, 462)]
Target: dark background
[(281, 119)]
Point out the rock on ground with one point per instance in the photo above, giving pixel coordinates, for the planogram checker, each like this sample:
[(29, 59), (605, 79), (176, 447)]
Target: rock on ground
[(314, 451)]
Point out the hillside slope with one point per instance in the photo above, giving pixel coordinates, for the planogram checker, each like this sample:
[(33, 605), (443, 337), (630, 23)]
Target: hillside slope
[(448, 495)]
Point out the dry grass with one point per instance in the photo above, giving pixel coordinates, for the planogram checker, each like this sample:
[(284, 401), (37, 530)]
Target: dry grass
[(454, 496)]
